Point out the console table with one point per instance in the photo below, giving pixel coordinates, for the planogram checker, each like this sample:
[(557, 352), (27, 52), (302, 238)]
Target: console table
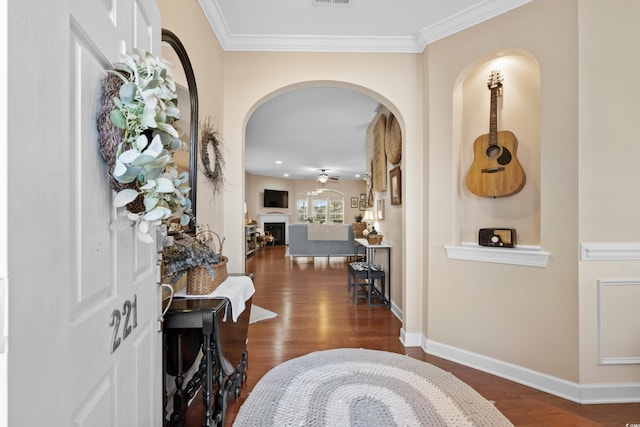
[(206, 322), (369, 253)]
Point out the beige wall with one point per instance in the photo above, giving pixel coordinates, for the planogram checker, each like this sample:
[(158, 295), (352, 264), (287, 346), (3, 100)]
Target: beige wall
[(540, 321), (525, 316), (255, 185), (609, 155), (185, 19), (253, 78), (543, 319), (391, 227)]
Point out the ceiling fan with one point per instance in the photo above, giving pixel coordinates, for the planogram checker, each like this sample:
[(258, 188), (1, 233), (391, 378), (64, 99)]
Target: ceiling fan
[(324, 177)]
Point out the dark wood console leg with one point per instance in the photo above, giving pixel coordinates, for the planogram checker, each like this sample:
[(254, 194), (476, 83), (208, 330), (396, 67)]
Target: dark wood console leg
[(245, 363), (221, 400), (207, 330), (241, 372), (179, 404), (193, 385), (165, 397)]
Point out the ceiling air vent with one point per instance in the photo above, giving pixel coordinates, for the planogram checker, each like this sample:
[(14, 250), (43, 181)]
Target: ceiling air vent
[(331, 1)]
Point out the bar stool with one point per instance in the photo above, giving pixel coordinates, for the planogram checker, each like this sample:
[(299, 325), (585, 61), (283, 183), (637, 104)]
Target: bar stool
[(359, 277)]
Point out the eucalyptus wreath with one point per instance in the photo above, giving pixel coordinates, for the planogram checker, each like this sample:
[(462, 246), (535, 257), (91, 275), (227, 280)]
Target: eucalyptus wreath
[(210, 135), (138, 137)]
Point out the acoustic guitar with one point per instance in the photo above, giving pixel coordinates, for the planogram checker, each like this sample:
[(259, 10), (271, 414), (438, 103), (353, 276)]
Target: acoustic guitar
[(495, 171)]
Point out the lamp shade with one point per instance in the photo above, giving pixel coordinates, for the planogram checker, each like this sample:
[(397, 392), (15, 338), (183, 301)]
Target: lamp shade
[(368, 215)]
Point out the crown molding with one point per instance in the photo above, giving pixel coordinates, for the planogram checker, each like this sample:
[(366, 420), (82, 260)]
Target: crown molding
[(467, 19), (305, 43), (269, 43)]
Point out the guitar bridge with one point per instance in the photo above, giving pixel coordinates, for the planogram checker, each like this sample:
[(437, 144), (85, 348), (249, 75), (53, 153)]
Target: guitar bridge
[(492, 170)]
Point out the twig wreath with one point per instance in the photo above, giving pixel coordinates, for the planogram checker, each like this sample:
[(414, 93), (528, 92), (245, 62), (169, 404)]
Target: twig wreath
[(210, 135)]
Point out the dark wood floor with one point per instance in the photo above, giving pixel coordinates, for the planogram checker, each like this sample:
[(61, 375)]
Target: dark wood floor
[(315, 312)]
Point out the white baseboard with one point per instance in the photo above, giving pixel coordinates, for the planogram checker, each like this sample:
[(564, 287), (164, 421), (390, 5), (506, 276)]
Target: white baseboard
[(396, 311), (410, 340), (579, 393)]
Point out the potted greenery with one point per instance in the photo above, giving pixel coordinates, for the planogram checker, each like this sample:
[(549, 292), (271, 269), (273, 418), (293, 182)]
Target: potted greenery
[(199, 258), (139, 140)]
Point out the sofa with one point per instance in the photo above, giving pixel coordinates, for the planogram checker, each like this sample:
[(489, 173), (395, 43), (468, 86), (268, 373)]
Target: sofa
[(321, 240)]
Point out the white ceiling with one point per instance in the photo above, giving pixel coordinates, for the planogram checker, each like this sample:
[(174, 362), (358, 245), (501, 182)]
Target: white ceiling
[(308, 130), (314, 128)]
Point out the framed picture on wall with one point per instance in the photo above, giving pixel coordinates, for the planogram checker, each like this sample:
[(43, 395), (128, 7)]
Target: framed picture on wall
[(395, 184), (380, 209), (363, 205), (354, 202)]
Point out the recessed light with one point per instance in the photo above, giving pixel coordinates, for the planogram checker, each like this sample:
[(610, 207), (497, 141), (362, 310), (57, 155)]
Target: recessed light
[(286, 174), (357, 175), (278, 162)]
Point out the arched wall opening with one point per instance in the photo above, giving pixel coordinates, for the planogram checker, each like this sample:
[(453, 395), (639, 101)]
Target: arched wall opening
[(391, 223)]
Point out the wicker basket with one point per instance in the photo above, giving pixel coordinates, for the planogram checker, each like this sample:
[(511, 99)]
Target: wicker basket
[(393, 140), (199, 281), (358, 228), (374, 239)]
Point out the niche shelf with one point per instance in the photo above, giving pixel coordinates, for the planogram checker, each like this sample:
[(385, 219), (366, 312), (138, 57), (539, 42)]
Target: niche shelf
[(530, 256)]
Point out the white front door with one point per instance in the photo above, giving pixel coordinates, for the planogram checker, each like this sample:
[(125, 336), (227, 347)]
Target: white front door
[(84, 342)]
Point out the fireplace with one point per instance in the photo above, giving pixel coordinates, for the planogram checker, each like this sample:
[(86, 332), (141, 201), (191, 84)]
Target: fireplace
[(275, 218), (277, 230)]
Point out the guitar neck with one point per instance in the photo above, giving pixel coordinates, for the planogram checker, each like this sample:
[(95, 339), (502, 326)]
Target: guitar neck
[(493, 117)]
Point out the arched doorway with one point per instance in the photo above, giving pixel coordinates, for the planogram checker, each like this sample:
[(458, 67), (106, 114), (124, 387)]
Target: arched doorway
[(312, 141)]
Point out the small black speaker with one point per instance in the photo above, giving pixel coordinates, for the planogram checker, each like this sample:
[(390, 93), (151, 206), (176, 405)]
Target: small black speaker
[(497, 237)]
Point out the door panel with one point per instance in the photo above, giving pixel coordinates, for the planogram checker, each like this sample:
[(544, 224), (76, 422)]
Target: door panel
[(115, 347), (72, 275), (92, 263), (85, 349), (97, 409)]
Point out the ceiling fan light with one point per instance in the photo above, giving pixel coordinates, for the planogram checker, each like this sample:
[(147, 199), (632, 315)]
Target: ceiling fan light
[(323, 178)]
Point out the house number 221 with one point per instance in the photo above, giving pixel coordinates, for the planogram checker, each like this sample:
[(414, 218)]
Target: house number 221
[(130, 314)]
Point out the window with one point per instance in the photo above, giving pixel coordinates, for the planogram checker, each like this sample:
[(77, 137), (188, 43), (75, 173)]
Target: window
[(336, 211), (319, 211), (302, 206), (320, 206)]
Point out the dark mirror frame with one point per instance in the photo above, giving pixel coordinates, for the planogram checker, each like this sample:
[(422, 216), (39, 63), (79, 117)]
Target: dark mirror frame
[(176, 44)]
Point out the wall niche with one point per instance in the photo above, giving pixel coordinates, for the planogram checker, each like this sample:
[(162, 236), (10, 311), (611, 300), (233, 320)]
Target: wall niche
[(518, 111)]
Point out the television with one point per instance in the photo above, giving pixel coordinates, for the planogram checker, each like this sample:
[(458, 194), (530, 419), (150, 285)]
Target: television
[(276, 199)]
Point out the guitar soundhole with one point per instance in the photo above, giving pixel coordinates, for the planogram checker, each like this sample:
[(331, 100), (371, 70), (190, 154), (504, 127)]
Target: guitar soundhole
[(501, 154), (493, 151)]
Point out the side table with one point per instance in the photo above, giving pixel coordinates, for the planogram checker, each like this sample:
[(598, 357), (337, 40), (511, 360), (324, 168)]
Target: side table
[(369, 253), (207, 321)]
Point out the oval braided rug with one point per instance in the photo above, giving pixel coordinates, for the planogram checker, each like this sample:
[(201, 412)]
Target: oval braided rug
[(358, 387)]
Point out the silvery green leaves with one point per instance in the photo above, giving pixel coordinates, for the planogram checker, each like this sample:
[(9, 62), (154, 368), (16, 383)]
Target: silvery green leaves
[(147, 99), (143, 161), (146, 110), (151, 165)]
